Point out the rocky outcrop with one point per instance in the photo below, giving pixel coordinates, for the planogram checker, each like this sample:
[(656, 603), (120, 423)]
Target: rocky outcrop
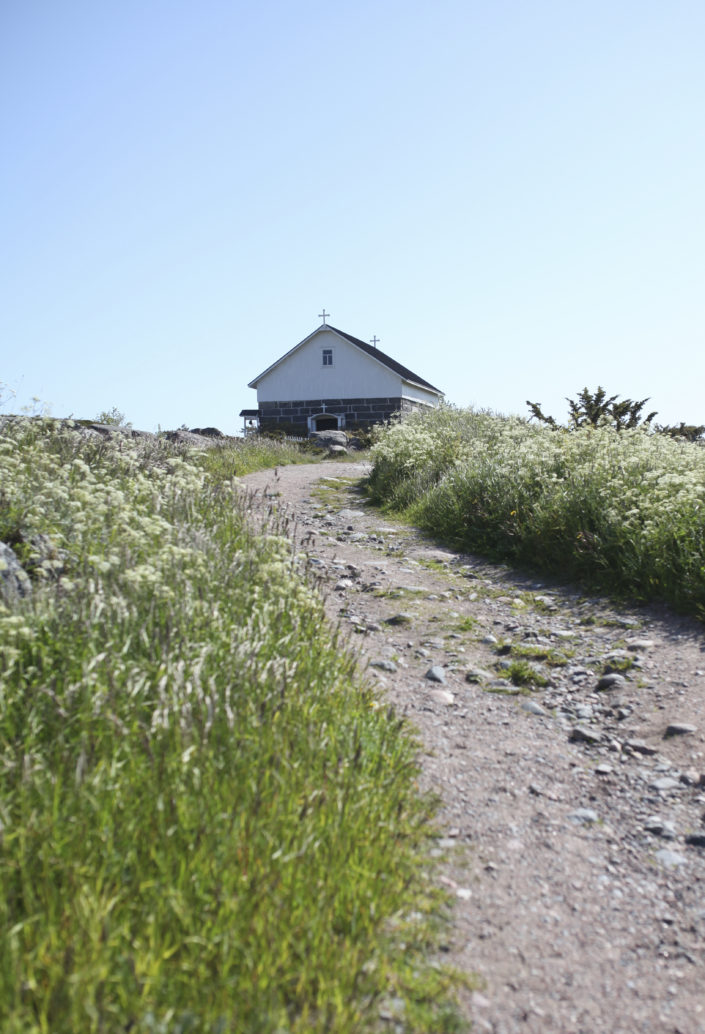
[(14, 580), (328, 439), (207, 432)]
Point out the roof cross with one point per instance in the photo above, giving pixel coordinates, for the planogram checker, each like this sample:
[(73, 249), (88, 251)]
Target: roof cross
[(323, 315), (374, 340)]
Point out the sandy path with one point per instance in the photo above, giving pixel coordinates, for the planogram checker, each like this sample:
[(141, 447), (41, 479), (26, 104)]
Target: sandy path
[(580, 879)]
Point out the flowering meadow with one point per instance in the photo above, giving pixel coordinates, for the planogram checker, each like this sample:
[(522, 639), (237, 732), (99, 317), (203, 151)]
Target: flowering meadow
[(622, 511), (207, 822)]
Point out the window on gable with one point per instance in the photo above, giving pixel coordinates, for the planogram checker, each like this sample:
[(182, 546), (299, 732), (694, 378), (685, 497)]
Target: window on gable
[(327, 356)]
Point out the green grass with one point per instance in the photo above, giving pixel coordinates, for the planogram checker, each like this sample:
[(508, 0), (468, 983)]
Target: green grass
[(208, 823), (620, 511), (256, 452), (547, 654), (521, 673)]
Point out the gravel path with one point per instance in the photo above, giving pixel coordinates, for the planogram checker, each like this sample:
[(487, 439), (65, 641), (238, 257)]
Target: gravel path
[(578, 813)]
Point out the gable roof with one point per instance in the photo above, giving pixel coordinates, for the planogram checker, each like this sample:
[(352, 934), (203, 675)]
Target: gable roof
[(375, 353)]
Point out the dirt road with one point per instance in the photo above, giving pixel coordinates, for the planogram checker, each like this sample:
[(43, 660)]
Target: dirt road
[(579, 811)]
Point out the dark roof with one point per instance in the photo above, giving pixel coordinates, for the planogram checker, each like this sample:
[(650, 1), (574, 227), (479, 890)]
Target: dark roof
[(386, 360), (249, 412)]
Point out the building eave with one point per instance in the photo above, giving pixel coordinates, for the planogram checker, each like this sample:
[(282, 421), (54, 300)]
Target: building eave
[(280, 360)]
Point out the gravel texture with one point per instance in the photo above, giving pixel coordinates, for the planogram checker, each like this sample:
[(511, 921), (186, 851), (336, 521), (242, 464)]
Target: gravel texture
[(573, 806)]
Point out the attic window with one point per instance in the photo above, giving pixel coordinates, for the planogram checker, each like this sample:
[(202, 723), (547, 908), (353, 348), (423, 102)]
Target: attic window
[(327, 356)]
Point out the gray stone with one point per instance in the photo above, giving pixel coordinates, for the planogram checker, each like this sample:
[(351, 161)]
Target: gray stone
[(640, 644), (532, 707), (671, 859), (619, 655), (343, 584), (584, 816), (679, 729), (664, 784), (327, 438), (611, 682), (384, 665), (640, 747), (14, 580), (436, 673), (660, 827), (337, 450), (584, 734), (478, 675), (399, 619), (442, 696)]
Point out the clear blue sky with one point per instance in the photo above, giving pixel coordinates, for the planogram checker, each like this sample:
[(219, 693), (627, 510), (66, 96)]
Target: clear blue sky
[(510, 195)]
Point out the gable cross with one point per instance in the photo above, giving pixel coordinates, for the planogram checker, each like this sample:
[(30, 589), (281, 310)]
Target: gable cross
[(323, 315), (374, 340)]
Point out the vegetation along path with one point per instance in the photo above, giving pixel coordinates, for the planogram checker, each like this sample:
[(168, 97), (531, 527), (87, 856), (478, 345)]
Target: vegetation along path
[(566, 739)]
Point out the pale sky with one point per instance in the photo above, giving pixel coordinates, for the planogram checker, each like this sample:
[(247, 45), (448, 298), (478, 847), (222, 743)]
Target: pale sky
[(510, 195)]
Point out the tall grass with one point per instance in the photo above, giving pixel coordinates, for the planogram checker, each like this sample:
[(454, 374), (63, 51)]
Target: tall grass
[(206, 822), (234, 458), (623, 511)]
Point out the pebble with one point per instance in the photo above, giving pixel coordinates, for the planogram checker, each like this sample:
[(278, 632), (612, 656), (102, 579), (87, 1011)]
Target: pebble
[(436, 673), (604, 770), (489, 639), (532, 707), (442, 696), (343, 584), (695, 839)]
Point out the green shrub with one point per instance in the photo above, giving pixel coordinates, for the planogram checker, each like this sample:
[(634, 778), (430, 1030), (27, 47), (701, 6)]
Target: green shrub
[(624, 510)]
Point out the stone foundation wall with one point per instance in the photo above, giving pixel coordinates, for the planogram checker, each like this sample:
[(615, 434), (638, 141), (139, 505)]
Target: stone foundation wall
[(293, 416)]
